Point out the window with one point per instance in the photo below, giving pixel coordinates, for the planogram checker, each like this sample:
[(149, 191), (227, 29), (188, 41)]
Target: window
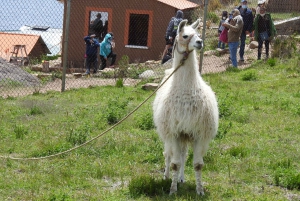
[(98, 24), (138, 29), (91, 14)]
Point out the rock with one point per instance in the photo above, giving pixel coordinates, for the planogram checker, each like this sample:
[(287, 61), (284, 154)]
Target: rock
[(77, 75), (253, 45), (150, 86), (147, 74)]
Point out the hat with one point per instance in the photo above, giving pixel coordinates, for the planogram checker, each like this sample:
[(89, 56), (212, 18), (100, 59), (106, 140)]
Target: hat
[(261, 1), (242, 1)]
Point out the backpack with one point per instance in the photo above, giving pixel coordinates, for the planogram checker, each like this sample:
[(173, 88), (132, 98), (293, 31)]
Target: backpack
[(175, 25)]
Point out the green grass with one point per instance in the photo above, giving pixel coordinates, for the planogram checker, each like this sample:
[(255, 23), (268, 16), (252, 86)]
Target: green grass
[(255, 155)]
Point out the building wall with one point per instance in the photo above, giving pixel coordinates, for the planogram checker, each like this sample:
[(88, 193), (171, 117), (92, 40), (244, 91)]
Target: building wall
[(78, 27), (284, 6)]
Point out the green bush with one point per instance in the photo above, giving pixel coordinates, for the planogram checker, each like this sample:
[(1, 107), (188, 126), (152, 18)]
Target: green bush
[(20, 131), (250, 75), (79, 136), (145, 120)]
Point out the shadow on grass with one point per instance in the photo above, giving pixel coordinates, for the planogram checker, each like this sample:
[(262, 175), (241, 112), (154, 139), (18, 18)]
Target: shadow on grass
[(158, 189)]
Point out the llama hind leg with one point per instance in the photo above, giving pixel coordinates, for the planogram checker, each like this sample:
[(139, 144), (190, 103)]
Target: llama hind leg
[(200, 149)]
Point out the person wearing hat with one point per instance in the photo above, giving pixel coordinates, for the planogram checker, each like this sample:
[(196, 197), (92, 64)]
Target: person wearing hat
[(260, 3), (247, 16), (235, 28), (106, 52), (263, 23), (91, 53)]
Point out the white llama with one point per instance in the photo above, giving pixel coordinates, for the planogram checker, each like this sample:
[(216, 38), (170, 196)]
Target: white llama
[(185, 109)]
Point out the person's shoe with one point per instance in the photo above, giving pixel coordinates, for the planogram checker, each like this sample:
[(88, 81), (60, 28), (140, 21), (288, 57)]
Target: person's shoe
[(112, 66), (242, 59), (86, 74)]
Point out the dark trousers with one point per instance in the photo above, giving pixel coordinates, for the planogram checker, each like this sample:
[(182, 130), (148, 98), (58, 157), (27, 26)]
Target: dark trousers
[(91, 62), (113, 57), (260, 44)]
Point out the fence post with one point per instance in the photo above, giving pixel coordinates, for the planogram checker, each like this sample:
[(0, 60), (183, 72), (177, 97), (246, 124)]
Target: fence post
[(65, 50), (203, 35)]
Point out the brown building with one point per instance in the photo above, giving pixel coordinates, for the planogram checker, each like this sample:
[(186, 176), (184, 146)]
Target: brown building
[(139, 26), (35, 45)]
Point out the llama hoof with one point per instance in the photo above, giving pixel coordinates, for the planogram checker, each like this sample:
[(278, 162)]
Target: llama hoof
[(172, 192), (200, 191)]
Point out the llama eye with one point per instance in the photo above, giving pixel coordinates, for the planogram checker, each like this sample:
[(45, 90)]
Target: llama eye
[(185, 37)]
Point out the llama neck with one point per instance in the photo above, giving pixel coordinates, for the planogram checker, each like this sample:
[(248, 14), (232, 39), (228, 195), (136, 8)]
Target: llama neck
[(188, 72)]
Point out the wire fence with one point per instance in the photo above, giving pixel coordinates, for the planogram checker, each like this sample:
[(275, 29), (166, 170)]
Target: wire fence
[(42, 47)]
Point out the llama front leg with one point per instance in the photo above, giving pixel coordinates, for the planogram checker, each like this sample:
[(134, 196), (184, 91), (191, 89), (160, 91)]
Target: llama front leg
[(167, 164), (183, 159), (200, 149), (175, 164)]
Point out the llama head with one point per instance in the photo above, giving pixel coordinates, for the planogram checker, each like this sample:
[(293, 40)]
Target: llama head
[(187, 36)]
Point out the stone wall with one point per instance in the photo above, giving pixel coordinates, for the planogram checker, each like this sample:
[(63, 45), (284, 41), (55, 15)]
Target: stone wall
[(288, 27)]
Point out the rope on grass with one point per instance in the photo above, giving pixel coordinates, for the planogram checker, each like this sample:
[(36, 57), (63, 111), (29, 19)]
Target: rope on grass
[(103, 133)]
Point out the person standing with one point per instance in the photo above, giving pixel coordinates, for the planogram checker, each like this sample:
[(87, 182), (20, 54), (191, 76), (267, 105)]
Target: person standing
[(235, 28), (172, 31), (247, 16), (263, 23), (221, 28), (106, 52), (91, 53), (98, 27)]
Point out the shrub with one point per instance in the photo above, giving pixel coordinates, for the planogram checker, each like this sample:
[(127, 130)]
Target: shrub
[(287, 178), (35, 110), (239, 152), (284, 47), (79, 136), (114, 110), (145, 120), (213, 17), (20, 131), (250, 75), (271, 62)]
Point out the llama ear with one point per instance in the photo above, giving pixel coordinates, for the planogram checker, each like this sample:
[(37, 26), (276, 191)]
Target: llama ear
[(196, 24), (181, 25)]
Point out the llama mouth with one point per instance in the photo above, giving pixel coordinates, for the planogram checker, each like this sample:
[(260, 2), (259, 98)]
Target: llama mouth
[(198, 47)]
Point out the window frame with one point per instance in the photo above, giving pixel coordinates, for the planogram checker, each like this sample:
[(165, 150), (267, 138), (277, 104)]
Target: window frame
[(127, 25)]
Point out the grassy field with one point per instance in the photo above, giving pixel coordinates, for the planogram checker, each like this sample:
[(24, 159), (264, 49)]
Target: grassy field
[(255, 155)]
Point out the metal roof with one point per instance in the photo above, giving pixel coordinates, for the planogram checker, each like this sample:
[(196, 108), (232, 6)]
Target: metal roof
[(179, 4)]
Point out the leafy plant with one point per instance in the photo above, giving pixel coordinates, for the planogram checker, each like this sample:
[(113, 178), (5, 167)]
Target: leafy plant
[(145, 120), (35, 110), (20, 131), (250, 75), (79, 136)]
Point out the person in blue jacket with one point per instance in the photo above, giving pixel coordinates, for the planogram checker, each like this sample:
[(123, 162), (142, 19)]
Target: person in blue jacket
[(247, 16), (106, 52), (91, 53)]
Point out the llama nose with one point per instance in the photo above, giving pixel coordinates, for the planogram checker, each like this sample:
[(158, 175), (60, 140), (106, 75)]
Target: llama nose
[(199, 43)]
